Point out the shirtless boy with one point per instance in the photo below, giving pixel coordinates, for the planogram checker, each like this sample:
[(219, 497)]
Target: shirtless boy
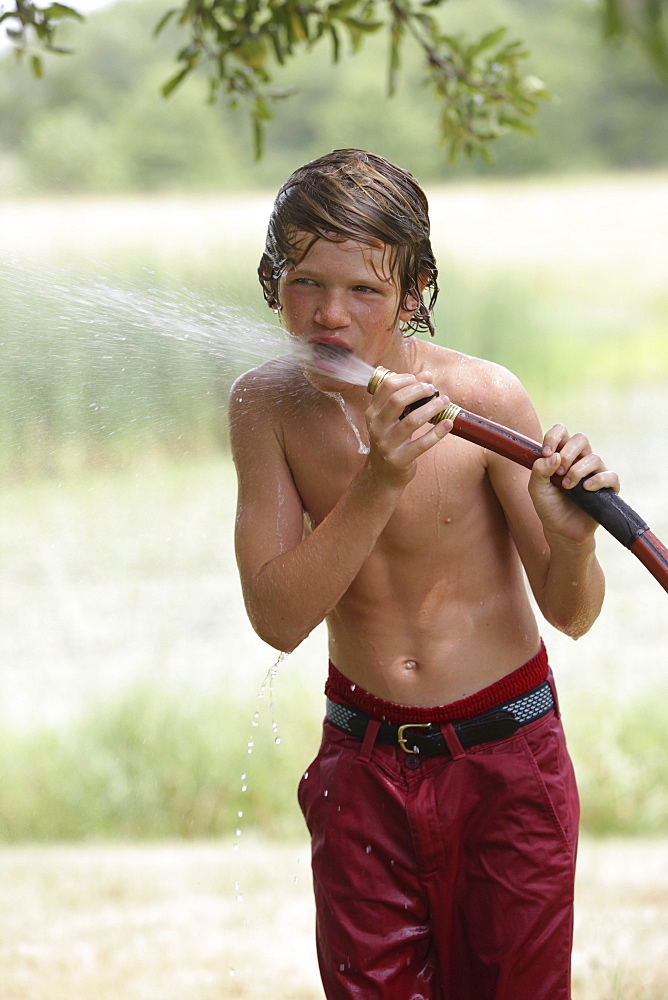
[(442, 805)]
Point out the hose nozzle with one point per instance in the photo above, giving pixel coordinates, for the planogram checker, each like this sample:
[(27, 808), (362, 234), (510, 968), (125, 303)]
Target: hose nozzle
[(377, 377)]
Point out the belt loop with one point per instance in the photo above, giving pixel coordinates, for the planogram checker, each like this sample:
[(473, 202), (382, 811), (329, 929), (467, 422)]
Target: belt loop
[(450, 736), (553, 689), (369, 740)]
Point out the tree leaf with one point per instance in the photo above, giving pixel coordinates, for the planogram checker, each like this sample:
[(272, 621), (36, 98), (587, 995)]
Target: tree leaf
[(174, 82), (487, 41), (165, 19), (58, 11)]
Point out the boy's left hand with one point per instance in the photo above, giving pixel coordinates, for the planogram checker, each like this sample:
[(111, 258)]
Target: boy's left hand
[(569, 456)]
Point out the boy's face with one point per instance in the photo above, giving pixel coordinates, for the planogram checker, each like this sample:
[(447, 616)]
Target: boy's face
[(343, 293)]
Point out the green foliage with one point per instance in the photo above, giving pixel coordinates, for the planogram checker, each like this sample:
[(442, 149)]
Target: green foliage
[(479, 85), (646, 21), (478, 81), (97, 122), (29, 23)]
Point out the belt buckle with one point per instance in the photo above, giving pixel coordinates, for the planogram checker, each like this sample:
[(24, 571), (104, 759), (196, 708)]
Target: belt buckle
[(401, 740)]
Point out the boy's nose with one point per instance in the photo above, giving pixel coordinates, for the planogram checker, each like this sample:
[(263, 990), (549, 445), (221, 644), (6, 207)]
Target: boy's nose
[(332, 312)]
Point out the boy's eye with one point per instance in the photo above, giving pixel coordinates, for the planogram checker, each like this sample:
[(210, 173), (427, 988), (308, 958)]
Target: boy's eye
[(363, 288)]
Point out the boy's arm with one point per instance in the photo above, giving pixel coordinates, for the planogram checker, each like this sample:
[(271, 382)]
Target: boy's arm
[(554, 537), (290, 582)]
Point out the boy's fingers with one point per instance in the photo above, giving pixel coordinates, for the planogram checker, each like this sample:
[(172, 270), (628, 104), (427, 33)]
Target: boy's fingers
[(603, 480), (554, 438), (401, 393), (546, 467), (591, 468)]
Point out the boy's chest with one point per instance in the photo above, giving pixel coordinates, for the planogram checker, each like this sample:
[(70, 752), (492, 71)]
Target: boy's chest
[(450, 482)]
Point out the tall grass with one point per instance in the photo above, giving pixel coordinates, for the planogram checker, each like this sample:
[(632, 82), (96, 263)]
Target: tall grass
[(151, 764), (89, 380), (109, 579), (622, 766), (86, 386)]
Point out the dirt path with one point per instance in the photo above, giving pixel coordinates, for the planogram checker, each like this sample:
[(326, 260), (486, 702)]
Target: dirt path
[(165, 922)]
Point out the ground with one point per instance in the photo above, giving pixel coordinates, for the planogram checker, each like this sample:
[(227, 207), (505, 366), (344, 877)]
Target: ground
[(215, 920)]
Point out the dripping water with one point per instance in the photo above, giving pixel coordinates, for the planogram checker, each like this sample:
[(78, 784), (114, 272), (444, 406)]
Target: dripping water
[(267, 687), (362, 448)]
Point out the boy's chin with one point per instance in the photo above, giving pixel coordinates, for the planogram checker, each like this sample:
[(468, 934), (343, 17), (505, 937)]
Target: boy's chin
[(324, 383)]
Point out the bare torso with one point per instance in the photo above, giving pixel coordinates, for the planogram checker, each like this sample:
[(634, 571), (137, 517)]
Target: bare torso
[(439, 609)]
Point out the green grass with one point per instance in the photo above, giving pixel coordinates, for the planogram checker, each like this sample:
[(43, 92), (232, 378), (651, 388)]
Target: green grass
[(117, 587), (154, 765), (619, 751), (151, 764)]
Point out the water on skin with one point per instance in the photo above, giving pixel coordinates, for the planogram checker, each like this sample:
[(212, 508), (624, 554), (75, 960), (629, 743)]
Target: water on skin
[(362, 448)]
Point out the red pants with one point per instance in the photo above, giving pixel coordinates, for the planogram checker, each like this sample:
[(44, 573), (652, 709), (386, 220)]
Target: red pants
[(444, 878)]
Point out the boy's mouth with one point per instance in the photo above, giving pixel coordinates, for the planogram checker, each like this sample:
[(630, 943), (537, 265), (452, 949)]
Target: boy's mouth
[(327, 355), (329, 341)]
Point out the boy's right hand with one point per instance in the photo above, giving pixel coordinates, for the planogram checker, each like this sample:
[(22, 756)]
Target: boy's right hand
[(393, 450)]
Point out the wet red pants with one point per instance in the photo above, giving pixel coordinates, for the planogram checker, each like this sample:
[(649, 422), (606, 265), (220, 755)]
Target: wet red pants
[(444, 878)]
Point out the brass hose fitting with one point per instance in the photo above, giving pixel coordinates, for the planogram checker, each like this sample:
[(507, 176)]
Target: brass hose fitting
[(449, 413)]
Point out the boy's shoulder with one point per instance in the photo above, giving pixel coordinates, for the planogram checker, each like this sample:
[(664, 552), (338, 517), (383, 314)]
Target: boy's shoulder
[(477, 384), (266, 385)]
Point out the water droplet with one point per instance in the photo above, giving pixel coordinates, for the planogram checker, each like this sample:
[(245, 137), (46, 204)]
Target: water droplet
[(244, 788), (277, 740), (326, 792), (305, 775), (368, 848), (232, 972)]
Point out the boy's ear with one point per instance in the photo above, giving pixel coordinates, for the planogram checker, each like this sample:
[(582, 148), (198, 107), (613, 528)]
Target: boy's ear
[(412, 300), (408, 307)]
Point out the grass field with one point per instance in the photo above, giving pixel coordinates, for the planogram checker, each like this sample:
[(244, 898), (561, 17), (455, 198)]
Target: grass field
[(165, 922), (119, 578)]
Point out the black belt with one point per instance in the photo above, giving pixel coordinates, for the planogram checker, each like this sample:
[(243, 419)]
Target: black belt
[(427, 738)]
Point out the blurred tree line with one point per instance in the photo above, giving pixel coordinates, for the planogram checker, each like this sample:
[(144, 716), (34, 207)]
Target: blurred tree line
[(96, 122)]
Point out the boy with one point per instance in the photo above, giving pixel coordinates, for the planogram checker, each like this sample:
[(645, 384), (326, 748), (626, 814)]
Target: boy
[(442, 805)]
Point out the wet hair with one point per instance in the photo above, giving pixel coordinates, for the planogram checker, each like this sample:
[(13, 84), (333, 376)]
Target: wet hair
[(350, 194)]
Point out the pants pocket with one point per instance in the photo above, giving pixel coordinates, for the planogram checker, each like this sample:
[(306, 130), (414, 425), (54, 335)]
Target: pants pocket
[(553, 771)]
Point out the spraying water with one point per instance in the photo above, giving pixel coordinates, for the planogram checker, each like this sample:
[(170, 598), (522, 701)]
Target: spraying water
[(335, 361), (97, 368), (87, 306)]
